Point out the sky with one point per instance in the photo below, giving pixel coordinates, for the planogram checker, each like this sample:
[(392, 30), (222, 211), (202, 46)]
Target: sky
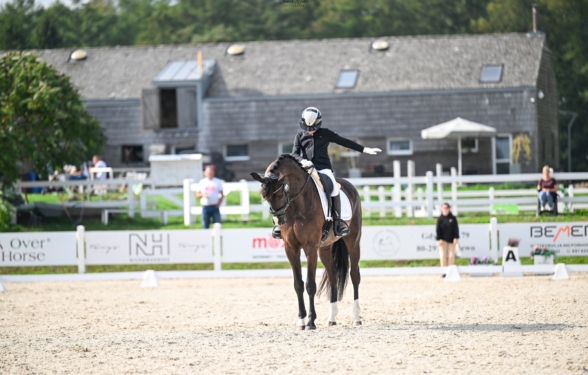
[(44, 3)]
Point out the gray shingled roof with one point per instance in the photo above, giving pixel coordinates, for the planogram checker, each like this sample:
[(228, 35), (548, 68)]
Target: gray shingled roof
[(302, 67)]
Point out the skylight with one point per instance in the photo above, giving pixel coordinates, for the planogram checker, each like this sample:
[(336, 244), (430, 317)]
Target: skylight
[(347, 79), (491, 73)]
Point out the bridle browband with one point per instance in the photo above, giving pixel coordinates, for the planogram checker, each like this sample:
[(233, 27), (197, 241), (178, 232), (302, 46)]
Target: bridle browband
[(280, 213)]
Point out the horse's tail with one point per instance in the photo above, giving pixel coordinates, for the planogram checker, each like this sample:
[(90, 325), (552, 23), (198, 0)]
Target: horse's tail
[(341, 262)]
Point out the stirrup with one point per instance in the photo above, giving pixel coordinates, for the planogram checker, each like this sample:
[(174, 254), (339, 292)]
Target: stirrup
[(277, 233), (341, 228)]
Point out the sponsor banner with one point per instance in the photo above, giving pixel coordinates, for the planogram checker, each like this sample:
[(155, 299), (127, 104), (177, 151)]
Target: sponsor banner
[(253, 245), (38, 249), (567, 239), (418, 242), (144, 247)]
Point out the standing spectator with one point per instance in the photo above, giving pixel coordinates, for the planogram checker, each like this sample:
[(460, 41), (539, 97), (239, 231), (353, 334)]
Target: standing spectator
[(210, 192), (98, 163), (447, 236), (546, 186)]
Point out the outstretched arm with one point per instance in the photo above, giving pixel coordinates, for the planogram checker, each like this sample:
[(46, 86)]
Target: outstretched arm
[(336, 138)]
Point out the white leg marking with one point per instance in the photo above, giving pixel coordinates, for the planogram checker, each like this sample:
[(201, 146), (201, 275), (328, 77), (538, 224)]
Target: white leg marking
[(356, 311), (333, 313), (300, 323)]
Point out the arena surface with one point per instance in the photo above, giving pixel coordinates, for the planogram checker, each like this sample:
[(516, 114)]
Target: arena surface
[(412, 325)]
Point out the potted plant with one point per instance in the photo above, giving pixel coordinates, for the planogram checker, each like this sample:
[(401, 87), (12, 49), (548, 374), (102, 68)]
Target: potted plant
[(542, 255), (483, 261)]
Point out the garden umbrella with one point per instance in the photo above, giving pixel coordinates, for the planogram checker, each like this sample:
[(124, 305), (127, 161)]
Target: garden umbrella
[(457, 129)]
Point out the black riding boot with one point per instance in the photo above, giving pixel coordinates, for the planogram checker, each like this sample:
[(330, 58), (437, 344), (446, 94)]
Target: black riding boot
[(340, 227), (277, 233)]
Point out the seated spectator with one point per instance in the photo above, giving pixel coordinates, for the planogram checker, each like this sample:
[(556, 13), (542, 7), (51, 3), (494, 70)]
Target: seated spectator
[(79, 174), (545, 187), (98, 163)]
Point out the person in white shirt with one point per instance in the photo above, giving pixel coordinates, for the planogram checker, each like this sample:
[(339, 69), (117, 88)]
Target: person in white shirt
[(98, 164), (210, 192)]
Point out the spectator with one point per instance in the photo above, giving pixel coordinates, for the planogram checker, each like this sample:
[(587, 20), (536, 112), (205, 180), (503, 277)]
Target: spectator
[(210, 192), (447, 236), (98, 164), (80, 174), (545, 187)]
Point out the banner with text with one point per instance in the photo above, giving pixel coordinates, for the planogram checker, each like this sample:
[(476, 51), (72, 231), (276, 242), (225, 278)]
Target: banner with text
[(567, 239), (418, 242), (253, 245), (38, 249), (145, 247)]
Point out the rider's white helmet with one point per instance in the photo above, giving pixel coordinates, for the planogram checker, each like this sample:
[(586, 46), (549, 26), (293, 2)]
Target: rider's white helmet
[(311, 119)]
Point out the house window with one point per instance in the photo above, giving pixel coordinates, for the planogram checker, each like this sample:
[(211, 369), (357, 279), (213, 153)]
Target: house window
[(347, 79), (132, 154), (469, 145), (169, 108), (399, 146), (237, 152), (285, 148), (502, 153), (491, 73)]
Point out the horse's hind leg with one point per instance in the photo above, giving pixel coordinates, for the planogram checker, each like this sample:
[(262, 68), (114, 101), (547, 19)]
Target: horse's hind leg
[(294, 258), (327, 259), (354, 254)]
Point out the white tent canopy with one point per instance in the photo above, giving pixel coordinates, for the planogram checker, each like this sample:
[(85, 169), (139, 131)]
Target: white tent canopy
[(457, 129)]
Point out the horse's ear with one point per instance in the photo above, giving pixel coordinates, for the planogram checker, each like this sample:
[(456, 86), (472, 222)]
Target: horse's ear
[(257, 177)]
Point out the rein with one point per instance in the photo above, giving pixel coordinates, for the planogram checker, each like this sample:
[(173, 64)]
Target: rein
[(281, 212)]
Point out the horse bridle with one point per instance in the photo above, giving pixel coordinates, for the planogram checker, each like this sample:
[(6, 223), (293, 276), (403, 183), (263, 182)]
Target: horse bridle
[(280, 213)]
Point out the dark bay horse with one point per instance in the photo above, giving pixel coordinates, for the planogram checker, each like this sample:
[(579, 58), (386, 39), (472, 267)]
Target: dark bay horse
[(295, 202)]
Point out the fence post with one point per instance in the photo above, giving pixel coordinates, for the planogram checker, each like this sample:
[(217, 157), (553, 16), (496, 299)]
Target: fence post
[(367, 198), (382, 199), (410, 188), (571, 195), (454, 190), (494, 248), (397, 189), (265, 210), (491, 197), (439, 168), (81, 247), (430, 194), (189, 200), (245, 199), (216, 233), (419, 198), (131, 197)]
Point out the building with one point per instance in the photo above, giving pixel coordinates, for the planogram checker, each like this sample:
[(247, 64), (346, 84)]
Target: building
[(245, 100)]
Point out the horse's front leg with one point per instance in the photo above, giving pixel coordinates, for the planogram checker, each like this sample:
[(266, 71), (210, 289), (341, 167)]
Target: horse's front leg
[(293, 253), (312, 259)]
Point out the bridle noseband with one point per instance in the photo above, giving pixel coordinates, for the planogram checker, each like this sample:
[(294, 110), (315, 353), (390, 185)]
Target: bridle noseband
[(280, 213)]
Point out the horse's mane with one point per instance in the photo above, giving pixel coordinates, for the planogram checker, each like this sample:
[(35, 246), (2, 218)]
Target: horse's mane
[(267, 187)]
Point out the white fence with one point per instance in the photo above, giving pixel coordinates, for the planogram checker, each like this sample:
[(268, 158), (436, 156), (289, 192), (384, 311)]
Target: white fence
[(410, 196)]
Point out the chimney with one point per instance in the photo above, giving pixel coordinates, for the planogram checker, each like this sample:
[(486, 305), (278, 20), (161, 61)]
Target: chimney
[(534, 18), (200, 59)]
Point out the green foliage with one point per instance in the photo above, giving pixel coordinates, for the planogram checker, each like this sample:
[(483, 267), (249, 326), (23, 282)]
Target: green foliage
[(6, 210), (42, 118)]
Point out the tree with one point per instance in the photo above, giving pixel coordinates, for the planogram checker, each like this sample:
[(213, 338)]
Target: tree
[(42, 118)]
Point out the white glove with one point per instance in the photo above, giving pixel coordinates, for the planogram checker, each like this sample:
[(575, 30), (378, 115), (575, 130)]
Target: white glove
[(306, 163), (371, 151)]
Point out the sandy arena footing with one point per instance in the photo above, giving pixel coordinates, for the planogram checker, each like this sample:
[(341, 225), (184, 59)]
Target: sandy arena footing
[(411, 324)]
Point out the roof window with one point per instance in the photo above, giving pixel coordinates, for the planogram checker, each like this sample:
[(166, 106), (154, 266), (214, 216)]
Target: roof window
[(380, 45), (236, 50), (491, 73), (347, 79), (79, 55)]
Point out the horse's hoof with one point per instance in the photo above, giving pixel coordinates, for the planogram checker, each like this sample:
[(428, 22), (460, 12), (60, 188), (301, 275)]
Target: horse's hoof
[(357, 323), (310, 328), (300, 328), (332, 324)]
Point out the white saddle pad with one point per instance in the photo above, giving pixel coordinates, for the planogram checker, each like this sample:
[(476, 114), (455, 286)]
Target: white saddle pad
[(345, 204)]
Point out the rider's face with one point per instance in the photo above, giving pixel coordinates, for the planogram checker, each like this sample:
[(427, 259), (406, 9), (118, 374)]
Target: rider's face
[(312, 132)]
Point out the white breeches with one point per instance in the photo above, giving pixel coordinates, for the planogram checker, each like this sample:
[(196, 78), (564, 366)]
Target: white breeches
[(329, 173)]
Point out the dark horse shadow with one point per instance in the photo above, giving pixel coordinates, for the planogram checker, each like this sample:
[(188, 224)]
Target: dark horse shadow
[(295, 203)]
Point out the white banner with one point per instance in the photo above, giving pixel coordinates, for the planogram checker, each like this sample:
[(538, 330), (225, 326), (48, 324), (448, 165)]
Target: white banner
[(253, 245), (567, 239), (38, 249), (418, 242), (145, 247)]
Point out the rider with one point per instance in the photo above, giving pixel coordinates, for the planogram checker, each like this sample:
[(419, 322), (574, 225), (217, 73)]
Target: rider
[(311, 144)]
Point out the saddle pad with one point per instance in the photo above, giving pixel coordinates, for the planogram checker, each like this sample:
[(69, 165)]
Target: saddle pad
[(345, 204)]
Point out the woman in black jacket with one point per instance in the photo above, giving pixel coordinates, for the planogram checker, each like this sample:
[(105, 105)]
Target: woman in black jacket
[(447, 236)]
